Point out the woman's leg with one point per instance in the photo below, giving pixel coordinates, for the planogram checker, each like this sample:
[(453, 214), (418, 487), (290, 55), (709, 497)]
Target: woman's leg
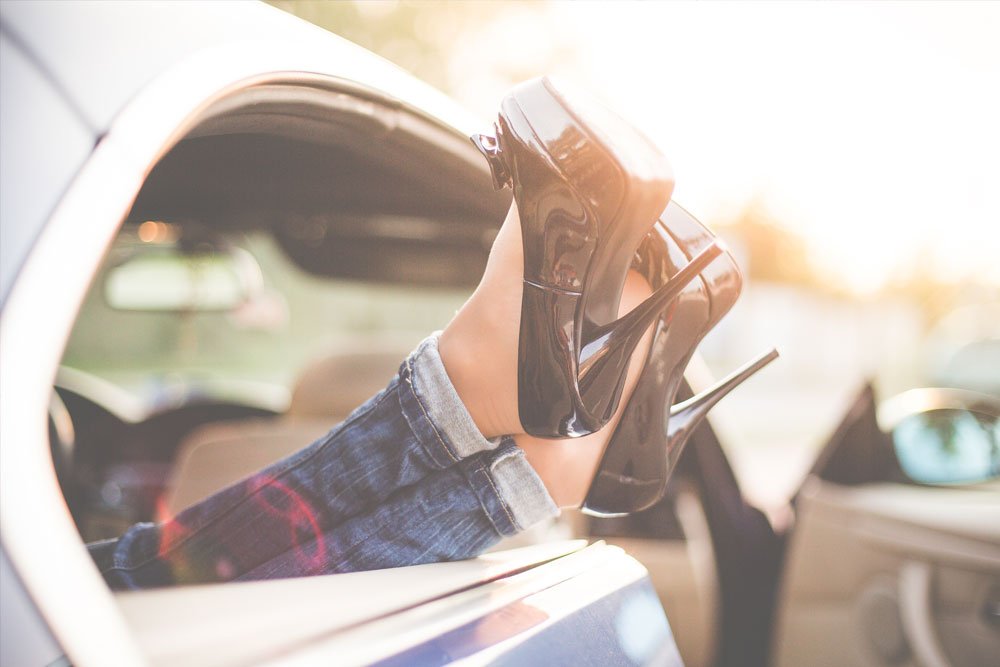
[(462, 510), (411, 468), (415, 427)]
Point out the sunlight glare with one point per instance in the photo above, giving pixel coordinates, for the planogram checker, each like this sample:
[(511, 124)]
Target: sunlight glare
[(871, 130)]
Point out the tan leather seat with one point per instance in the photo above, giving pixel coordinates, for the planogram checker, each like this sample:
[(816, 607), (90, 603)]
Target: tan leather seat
[(337, 384), (328, 390)]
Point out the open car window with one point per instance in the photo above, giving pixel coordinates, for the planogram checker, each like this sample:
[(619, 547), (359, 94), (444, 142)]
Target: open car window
[(277, 265), (170, 341)]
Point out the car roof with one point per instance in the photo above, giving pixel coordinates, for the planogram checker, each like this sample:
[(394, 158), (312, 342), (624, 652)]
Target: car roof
[(101, 54), (71, 67)]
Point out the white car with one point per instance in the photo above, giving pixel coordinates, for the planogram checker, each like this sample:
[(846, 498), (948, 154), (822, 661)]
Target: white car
[(243, 123), (216, 217)]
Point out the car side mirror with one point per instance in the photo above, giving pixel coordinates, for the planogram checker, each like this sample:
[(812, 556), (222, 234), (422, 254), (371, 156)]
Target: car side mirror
[(168, 280), (944, 436)]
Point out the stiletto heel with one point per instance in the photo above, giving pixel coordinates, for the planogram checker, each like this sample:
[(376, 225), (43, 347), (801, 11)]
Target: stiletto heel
[(585, 202), (640, 455), (686, 416), (615, 496)]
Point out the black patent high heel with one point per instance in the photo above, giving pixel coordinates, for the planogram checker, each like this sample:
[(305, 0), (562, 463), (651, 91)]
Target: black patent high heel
[(585, 202), (650, 436)]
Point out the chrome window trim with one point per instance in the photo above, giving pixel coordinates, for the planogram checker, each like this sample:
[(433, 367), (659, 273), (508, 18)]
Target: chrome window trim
[(37, 530)]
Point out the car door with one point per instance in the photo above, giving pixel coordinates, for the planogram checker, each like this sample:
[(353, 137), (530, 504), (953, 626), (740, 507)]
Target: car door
[(881, 570)]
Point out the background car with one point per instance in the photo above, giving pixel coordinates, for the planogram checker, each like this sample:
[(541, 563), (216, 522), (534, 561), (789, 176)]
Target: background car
[(223, 229)]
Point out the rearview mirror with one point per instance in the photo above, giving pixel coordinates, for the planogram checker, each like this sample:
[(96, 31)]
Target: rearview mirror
[(945, 436), (167, 280)]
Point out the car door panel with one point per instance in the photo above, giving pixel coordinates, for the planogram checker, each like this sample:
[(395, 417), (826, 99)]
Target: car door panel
[(887, 573)]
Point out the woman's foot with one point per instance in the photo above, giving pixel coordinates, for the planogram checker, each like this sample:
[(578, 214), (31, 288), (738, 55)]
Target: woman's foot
[(479, 351)]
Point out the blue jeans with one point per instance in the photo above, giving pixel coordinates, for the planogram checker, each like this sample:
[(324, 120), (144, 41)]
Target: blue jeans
[(406, 479)]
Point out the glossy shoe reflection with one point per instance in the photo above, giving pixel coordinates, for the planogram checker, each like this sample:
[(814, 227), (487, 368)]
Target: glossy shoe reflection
[(585, 203), (637, 462)]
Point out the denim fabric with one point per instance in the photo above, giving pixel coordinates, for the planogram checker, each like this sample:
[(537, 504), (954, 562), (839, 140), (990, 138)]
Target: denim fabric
[(405, 479)]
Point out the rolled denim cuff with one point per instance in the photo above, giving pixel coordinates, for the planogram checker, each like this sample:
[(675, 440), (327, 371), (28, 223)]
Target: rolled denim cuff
[(520, 488), (444, 408), (449, 426)]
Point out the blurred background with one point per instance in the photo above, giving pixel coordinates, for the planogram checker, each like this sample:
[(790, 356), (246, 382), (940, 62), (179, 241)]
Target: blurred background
[(849, 153)]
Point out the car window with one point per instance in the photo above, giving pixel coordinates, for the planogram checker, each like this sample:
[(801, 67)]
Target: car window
[(176, 335)]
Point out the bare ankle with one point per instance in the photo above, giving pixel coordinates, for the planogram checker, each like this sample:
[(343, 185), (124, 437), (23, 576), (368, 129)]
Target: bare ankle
[(473, 359)]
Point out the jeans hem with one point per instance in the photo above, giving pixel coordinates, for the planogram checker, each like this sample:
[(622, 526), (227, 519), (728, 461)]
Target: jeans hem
[(447, 427), (521, 489), (444, 426)]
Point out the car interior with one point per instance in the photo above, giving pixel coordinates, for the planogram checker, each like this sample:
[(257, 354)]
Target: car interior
[(281, 260)]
